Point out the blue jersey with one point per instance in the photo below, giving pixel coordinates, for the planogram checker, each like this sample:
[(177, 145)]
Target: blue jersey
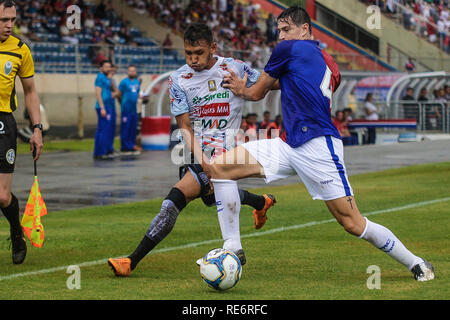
[(103, 82), (308, 77), (130, 94)]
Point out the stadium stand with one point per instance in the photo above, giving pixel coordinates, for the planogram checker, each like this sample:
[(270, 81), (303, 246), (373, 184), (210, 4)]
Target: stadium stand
[(104, 34), (429, 19)]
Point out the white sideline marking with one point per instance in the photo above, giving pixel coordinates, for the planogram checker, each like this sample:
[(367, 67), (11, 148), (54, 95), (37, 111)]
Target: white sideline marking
[(250, 235)]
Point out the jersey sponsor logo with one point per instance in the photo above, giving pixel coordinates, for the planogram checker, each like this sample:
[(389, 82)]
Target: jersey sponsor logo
[(214, 124), (8, 67), (187, 76), (212, 110), (212, 85), (210, 97)]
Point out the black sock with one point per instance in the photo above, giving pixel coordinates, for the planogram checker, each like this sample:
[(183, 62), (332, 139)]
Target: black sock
[(256, 201), (178, 198), (141, 251), (11, 213)]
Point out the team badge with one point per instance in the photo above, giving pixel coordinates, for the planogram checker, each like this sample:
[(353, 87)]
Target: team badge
[(8, 67), (212, 85), (10, 156)]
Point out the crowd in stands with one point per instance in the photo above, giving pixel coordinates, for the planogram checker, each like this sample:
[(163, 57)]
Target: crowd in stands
[(428, 18), (235, 26), (253, 129), (45, 20)]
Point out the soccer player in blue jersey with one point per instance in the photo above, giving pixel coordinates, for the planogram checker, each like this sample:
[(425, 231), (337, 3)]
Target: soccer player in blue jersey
[(311, 146), (129, 89)]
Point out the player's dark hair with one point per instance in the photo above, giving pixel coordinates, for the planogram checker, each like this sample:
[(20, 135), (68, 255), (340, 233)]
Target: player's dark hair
[(104, 61), (297, 15), (8, 3), (197, 32)]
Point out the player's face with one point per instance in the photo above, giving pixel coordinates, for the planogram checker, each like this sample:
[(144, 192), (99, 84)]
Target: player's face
[(106, 68), (199, 55), (7, 20), (288, 30), (132, 72)]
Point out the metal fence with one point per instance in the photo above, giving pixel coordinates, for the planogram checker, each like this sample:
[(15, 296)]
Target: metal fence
[(430, 115)]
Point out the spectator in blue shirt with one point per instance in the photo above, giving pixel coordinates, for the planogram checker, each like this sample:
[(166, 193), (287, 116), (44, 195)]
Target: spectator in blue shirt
[(129, 94)]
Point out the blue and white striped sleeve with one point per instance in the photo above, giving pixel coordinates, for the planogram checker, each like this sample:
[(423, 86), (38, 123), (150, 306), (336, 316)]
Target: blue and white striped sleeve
[(242, 67), (178, 99)]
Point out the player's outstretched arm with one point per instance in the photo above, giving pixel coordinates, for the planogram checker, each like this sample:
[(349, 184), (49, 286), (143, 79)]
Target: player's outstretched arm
[(184, 124), (33, 106), (256, 92)]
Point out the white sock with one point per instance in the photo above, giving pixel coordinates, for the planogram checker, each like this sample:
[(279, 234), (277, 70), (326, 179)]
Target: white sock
[(386, 241), (228, 209)]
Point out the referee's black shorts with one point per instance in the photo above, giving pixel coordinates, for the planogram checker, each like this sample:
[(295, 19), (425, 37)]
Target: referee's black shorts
[(8, 142)]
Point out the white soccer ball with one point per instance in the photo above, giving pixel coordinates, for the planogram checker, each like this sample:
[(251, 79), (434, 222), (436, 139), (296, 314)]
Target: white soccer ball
[(220, 269)]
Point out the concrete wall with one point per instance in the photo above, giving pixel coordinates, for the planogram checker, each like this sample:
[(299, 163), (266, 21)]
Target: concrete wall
[(391, 33), (59, 94)]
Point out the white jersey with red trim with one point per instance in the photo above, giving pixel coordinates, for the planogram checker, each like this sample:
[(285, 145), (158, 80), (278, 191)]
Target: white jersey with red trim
[(213, 110)]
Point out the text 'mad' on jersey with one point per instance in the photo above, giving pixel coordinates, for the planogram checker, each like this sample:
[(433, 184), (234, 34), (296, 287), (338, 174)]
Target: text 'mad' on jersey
[(15, 59), (308, 77)]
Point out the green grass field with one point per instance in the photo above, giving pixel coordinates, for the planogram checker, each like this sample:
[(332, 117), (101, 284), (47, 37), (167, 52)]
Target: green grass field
[(86, 145), (315, 261)]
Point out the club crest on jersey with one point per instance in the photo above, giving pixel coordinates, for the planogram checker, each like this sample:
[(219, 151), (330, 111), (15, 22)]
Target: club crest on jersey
[(8, 67), (11, 156), (212, 85)]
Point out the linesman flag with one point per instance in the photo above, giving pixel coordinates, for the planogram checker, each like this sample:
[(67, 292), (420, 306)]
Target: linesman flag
[(35, 209)]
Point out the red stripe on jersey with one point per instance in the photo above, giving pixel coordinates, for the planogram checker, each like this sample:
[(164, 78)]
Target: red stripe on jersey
[(335, 74)]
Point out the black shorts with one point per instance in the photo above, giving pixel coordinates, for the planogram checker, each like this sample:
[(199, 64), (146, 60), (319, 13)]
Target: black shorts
[(8, 142)]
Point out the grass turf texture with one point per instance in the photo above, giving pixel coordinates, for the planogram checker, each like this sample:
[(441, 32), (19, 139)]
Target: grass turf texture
[(315, 262), (64, 146)]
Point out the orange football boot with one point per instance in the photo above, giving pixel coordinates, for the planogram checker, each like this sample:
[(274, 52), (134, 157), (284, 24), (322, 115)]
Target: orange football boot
[(121, 266), (260, 216)]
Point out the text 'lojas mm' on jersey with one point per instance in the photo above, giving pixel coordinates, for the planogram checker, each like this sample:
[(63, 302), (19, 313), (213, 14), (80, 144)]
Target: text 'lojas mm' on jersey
[(214, 111), (15, 59), (308, 78)]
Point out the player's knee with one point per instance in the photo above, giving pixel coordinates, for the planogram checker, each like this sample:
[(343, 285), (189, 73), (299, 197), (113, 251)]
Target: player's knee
[(5, 198), (218, 171)]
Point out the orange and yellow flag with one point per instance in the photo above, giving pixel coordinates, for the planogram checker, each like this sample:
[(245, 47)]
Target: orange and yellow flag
[(31, 221)]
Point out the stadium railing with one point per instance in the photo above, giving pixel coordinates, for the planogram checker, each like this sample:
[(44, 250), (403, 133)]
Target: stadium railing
[(431, 115), (55, 57)]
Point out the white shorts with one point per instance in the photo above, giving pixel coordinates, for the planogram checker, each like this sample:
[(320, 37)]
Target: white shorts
[(319, 163)]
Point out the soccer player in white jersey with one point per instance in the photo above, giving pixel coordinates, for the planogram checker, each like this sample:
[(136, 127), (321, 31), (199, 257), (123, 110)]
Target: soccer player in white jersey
[(312, 147), (204, 111)]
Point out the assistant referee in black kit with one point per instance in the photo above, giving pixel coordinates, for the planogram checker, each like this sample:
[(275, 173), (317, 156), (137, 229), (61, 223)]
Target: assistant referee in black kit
[(15, 60)]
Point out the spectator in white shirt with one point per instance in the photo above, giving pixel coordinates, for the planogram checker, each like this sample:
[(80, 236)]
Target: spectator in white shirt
[(371, 114)]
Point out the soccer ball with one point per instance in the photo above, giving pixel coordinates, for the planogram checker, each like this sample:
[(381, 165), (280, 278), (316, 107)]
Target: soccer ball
[(220, 269)]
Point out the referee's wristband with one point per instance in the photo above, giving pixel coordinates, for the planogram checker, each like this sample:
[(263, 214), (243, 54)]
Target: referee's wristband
[(38, 126)]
